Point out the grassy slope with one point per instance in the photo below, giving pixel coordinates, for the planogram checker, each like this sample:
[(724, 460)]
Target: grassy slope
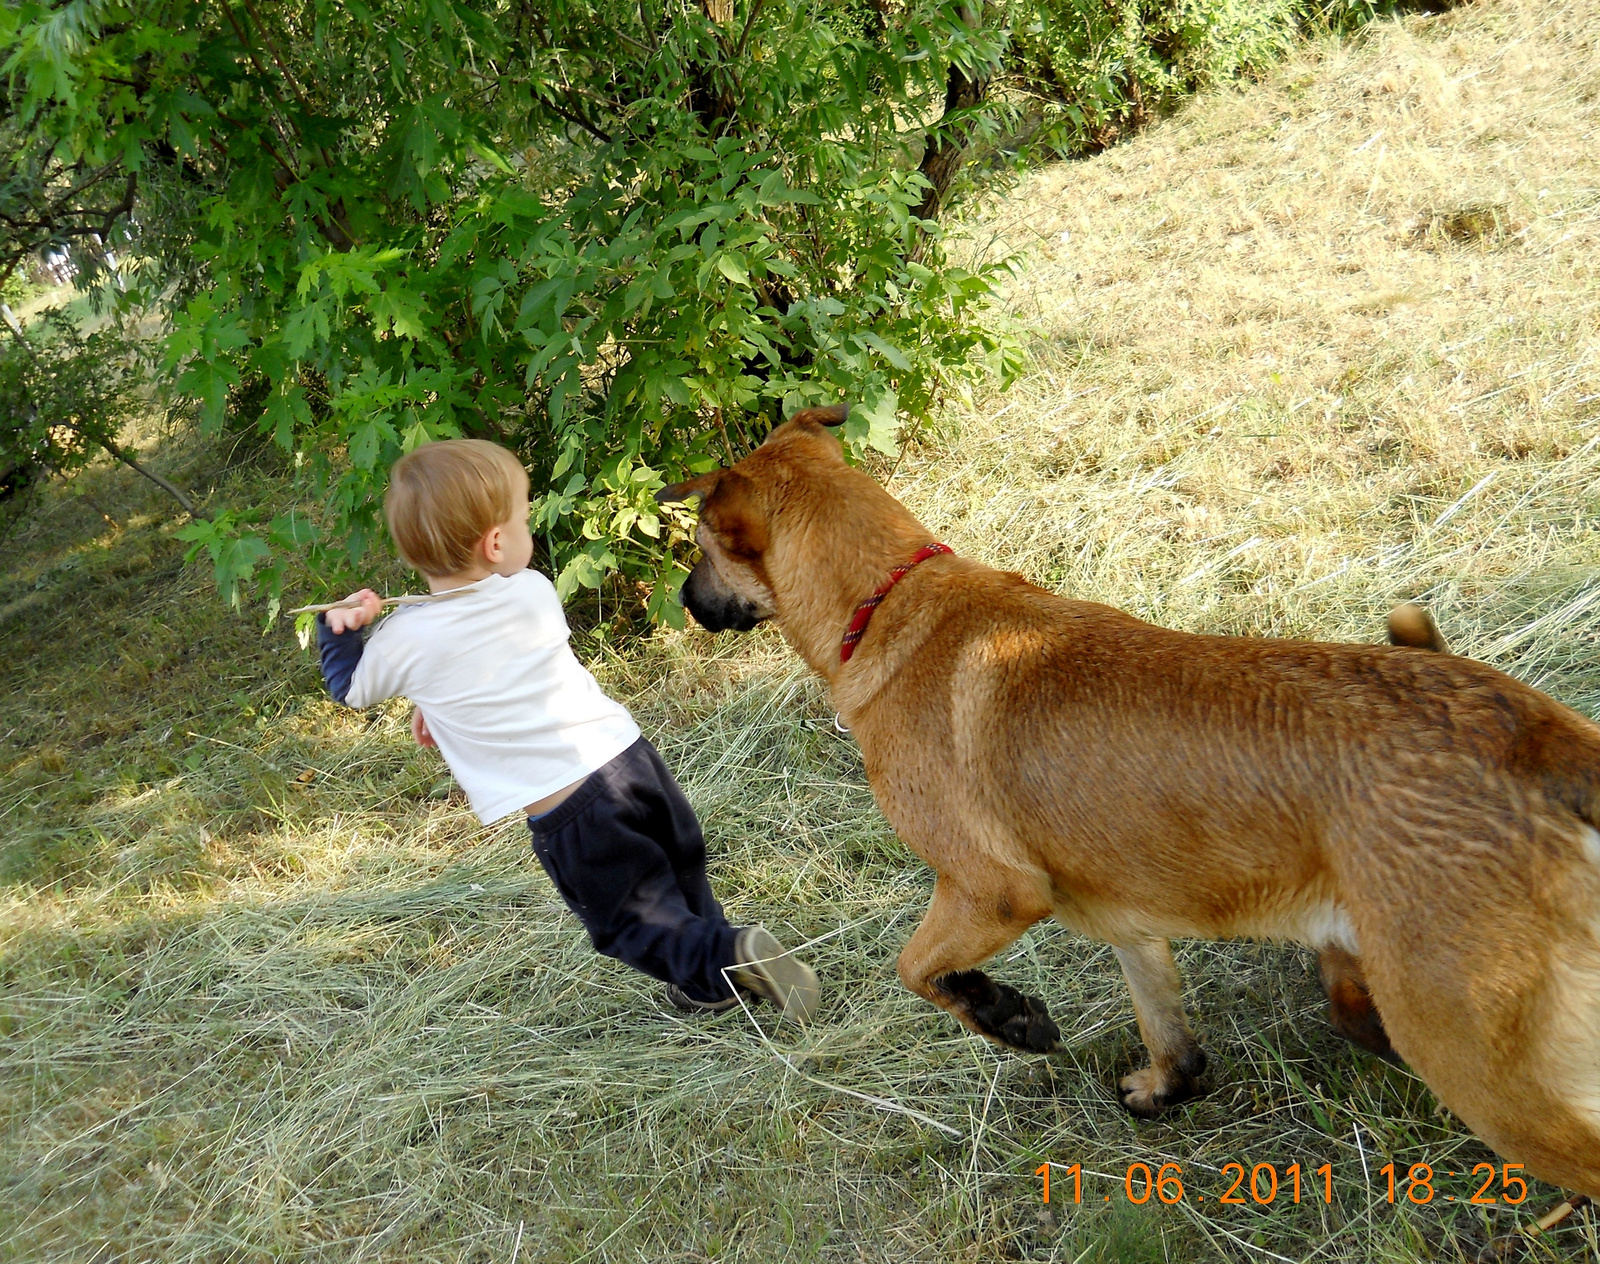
[(269, 992)]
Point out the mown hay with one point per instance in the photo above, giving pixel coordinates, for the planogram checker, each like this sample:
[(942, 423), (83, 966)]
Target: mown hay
[(251, 1013)]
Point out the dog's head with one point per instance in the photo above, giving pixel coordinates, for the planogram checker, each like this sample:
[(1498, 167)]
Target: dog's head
[(730, 588)]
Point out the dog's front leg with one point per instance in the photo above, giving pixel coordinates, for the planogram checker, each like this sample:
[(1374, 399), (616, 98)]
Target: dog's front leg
[(966, 924), (1176, 1059)]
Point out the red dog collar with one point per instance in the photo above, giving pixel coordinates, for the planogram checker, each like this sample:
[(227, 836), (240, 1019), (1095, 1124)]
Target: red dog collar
[(863, 614)]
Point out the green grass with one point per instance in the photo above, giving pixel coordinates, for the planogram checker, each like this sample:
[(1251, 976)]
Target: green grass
[(267, 991)]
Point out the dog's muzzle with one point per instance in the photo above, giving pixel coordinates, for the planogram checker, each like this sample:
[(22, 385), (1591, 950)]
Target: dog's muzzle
[(714, 606)]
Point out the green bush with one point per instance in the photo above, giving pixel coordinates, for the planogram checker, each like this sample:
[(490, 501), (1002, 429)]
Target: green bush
[(17, 289), (63, 399), (1095, 70), (618, 237)]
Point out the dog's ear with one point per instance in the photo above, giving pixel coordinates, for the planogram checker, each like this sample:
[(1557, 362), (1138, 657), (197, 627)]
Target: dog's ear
[(832, 415), (701, 485), (815, 423), (736, 516), (728, 507)]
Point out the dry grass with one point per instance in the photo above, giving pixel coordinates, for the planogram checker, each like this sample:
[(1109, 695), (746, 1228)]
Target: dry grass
[(1316, 345)]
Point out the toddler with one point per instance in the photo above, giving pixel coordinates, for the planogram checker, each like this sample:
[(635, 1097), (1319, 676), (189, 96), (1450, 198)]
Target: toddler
[(525, 728)]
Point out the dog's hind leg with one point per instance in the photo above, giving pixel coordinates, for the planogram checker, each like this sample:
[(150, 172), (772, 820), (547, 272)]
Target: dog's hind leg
[(962, 928), (1350, 1008), (1176, 1059)]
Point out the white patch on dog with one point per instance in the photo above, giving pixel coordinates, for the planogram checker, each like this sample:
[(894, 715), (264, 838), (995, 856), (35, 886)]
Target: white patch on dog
[(1569, 1051), (1589, 840), (1326, 925)]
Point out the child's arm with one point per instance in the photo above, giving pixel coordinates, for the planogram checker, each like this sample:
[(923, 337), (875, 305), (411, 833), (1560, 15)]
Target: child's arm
[(339, 640)]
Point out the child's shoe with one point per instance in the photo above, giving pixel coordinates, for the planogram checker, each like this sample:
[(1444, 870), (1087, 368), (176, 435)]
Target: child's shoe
[(769, 970), (686, 1004)]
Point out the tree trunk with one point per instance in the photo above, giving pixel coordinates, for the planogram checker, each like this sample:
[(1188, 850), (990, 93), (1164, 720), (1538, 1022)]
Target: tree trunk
[(947, 142), (710, 99)]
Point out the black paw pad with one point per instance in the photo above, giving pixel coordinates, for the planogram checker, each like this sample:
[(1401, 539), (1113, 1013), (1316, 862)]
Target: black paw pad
[(1000, 1011)]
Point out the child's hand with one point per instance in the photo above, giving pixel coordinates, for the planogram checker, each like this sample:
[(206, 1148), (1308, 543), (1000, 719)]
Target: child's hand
[(419, 729), (356, 616)]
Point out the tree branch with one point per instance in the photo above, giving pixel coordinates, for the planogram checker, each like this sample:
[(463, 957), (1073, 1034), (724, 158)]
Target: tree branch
[(52, 216), (124, 207), (715, 106), (572, 116), (122, 455), (286, 133), (631, 42), (749, 25), (110, 445), (288, 76)]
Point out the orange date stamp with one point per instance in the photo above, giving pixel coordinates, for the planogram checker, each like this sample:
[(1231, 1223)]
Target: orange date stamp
[(1239, 1184)]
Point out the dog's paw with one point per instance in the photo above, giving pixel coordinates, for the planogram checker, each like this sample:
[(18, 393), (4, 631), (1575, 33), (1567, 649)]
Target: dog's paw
[(1149, 1092), (1022, 1022), (1002, 1013)]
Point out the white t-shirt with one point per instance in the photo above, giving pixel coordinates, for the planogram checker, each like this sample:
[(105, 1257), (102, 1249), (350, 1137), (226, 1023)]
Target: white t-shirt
[(516, 716)]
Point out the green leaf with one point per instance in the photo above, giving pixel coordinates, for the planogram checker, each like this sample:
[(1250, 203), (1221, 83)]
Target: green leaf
[(587, 569), (291, 531), (734, 270), (875, 422), (210, 384), (399, 310), (285, 410), (665, 601), (367, 439), (886, 349), (305, 328), (774, 191)]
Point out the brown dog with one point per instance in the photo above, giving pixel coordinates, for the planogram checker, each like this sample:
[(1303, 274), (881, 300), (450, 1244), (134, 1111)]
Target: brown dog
[(1424, 820)]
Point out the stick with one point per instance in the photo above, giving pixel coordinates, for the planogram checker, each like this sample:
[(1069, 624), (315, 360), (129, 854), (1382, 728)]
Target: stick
[(1555, 1216), (409, 600)]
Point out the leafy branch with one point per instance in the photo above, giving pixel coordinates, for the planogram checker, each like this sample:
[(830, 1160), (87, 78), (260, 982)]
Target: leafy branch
[(620, 239)]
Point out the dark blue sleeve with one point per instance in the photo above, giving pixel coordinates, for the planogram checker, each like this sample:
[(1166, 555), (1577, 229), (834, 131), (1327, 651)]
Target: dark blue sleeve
[(341, 653)]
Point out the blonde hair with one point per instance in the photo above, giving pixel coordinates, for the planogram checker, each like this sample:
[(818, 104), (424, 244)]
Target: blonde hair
[(445, 496)]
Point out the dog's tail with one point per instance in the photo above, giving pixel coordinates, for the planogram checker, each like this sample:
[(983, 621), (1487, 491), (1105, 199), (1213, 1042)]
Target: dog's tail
[(1411, 625)]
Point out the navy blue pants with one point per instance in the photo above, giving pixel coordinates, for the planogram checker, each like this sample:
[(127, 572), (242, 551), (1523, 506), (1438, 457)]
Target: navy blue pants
[(626, 853)]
